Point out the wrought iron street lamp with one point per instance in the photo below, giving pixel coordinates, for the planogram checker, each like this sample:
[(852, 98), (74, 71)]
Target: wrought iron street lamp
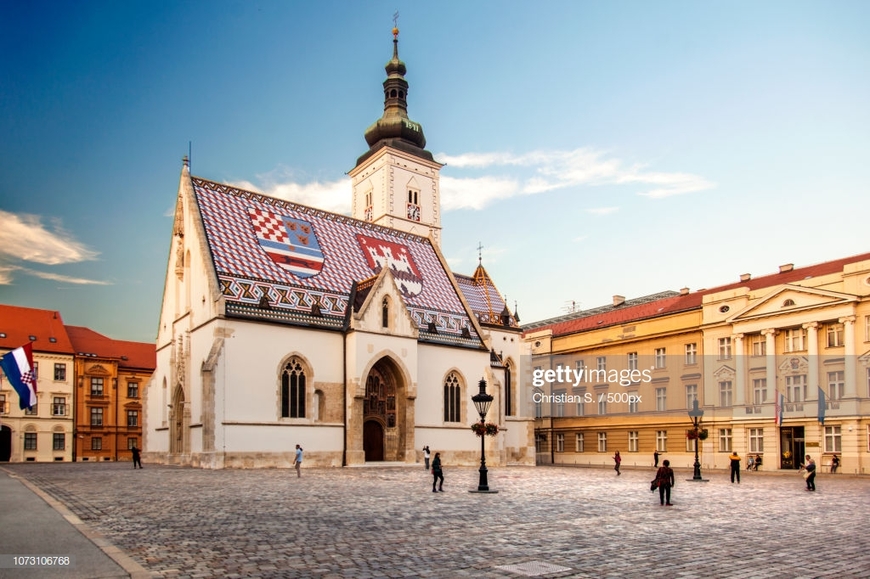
[(695, 414), (482, 402)]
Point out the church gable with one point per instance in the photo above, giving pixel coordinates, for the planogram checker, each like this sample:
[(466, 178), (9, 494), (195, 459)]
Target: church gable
[(283, 262), (789, 299), (383, 310)]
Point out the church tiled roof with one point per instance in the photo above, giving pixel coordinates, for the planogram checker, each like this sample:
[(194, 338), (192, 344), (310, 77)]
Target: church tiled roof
[(284, 262), (484, 299)]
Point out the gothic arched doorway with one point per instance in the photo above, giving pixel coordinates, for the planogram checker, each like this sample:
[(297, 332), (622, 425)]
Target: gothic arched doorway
[(176, 422), (383, 412)]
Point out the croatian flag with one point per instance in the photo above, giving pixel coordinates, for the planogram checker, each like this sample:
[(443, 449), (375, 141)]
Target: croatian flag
[(18, 365)]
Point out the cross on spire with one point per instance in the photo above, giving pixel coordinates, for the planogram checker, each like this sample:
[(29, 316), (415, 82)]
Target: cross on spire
[(479, 253)]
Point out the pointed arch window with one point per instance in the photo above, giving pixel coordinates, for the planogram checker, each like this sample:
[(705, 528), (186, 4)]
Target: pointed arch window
[(508, 391), (452, 398), (293, 389), (385, 312)]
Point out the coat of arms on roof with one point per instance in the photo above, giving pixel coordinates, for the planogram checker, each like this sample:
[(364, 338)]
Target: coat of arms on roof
[(380, 253), (291, 243)]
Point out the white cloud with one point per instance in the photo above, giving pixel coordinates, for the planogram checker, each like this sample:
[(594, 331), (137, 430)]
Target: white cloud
[(602, 210), (332, 196), (475, 193), (24, 237), (64, 278)]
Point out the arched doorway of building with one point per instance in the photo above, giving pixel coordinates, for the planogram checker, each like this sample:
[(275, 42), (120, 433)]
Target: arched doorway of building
[(383, 413), (176, 422), (5, 443)]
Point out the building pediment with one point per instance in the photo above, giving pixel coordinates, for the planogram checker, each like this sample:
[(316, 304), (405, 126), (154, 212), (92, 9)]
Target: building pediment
[(384, 299), (789, 299), (724, 373), (98, 370), (794, 365)]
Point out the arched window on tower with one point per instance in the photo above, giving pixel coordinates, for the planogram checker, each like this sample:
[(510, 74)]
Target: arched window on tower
[(293, 390), (508, 391), (452, 393), (385, 312)]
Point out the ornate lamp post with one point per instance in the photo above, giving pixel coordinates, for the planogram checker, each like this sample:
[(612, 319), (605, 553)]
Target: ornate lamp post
[(695, 414), (482, 402)]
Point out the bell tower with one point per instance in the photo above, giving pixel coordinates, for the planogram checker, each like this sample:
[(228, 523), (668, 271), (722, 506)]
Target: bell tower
[(396, 182)]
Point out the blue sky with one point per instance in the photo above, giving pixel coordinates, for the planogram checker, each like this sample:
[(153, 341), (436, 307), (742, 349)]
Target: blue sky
[(593, 148)]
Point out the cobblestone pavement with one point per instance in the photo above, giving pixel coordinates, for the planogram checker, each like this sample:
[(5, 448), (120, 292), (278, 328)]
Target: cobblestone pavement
[(544, 522)]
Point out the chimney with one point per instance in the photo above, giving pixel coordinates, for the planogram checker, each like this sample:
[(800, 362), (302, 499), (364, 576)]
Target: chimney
[(745, 276), (785, 268), (618, 300), (684, 291)]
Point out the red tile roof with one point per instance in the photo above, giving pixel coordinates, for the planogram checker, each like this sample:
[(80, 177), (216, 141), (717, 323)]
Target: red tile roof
[(680, 303), (131, 355), (18, 324)]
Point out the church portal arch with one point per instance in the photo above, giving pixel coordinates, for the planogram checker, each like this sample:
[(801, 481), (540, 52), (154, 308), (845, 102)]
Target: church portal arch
[(385, 410)]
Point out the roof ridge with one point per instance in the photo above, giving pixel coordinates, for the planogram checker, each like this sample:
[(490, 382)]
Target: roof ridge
[(641, 300)]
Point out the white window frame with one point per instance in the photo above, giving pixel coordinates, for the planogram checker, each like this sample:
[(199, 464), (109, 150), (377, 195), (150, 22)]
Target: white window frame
[(833, 439), (725, 348), (756, 440), (661, 358), (725, 439), (602, 442), (836, 384), (726, 393), (691, 354), (691, 395), (662, 440), (632, 440), (759, 390), (580, 442), (661, 399)]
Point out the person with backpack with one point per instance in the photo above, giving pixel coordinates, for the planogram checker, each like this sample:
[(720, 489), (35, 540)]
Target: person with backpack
[(437, 473), (665, 478)]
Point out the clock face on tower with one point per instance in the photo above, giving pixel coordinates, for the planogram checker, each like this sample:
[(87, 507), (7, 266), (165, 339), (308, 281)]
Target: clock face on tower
[(413, 212)]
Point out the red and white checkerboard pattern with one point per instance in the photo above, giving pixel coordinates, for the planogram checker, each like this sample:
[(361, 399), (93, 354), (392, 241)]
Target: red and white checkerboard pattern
[(268, 226)]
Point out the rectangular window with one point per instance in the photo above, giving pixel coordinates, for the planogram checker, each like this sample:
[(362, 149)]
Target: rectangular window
[(132, 418), (632, 440), (691, 395), (796, 388), (58, 441), (602, 404), (602, 442), (867, 328), (836, 385), (32, 411), (724, 348), (131, 442), (691, 354), (580, 442), (632, 360), (96, 416), (601, 362), (560, 443), (795, 340), (581, 408), (661, 399), (633, 402), (96, 443), (759, 390), (60, 372), (833, 443), (660, 357), (835, 335), (725, 393), (724, 440), (3, 409), (759, 345), (96, 386), (58, 407), (756, 440), (559, 405), (580, 364), (662, 440), (30, 441), (132, 390)]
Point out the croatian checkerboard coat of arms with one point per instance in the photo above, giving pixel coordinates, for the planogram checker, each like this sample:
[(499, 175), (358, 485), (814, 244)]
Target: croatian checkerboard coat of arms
[(291, 243), (379, 254)]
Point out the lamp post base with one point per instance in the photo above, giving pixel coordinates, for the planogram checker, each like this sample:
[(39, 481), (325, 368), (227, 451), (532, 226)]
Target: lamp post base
[(483, 492)]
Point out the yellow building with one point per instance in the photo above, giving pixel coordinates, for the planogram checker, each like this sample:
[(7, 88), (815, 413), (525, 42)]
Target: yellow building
[(779, 364)]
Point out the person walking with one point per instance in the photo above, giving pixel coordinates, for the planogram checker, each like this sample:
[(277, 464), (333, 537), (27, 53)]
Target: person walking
[(735, 466), (618, 460), (297, 462), (137, 457), (810, 467), (656, 458), (426, 456), (437, 473), (665, 478)]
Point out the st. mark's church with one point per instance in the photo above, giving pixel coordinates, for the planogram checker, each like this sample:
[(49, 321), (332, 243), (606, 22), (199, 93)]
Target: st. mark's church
[(284, 324)]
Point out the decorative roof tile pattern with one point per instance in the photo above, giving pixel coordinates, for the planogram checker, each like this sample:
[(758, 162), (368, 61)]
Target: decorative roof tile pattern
[(484, 298), (264, 255)]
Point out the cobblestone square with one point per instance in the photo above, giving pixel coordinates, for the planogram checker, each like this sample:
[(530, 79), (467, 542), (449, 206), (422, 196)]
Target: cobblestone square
[(544, 522)]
